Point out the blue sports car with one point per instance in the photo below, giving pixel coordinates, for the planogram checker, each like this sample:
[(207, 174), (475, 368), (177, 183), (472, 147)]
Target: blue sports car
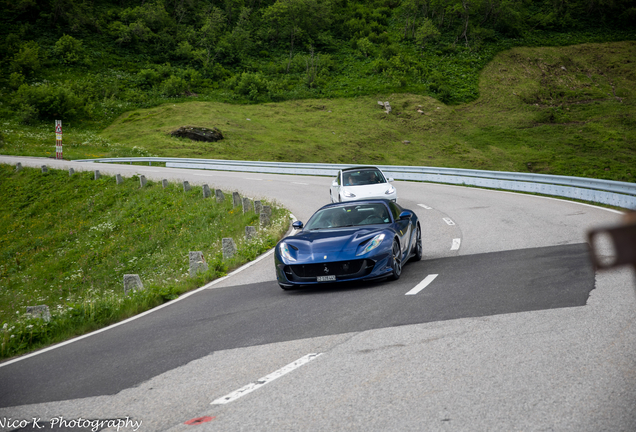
[(359, 240)]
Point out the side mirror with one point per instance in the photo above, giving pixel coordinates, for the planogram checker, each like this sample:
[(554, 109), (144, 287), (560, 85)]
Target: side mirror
[(334, 183), (406, 215), (391, 179), (298, 225)]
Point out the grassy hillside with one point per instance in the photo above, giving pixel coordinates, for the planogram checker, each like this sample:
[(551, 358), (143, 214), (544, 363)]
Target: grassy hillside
[(72, 257), (560, 110)]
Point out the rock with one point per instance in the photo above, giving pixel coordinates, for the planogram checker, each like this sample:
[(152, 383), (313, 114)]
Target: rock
[(406, 142), (198, 133), (387, 106)]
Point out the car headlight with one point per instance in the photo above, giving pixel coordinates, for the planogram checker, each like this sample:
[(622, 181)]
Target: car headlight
[(348, 194), (285, 253), (390, 190), (374, 243)]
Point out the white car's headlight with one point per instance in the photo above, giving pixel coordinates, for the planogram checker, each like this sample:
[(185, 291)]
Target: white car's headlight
[(285, 253), (390, 190), (348, 194), (374, 243)]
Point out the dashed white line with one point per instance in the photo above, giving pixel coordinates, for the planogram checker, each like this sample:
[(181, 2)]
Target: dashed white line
[(420, 286), (266, 379), (456, 243), (449, 221), (300, 183), (425, 206)]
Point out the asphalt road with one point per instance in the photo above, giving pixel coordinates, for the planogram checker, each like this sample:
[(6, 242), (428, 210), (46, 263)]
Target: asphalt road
[(515, 332)]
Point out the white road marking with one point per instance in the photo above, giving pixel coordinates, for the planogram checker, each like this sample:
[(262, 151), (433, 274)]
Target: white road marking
[(266, 379), (449, 221), (250, 178), (300, 183), (425, 206), (456, 243), (420, 286)]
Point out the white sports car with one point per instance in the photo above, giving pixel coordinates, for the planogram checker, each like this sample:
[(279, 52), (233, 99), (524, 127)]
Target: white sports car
[(358, 183)]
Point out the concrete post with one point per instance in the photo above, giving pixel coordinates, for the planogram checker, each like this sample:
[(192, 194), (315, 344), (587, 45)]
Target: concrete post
[(44, 169), (236, 199), (219, 195), (229, 248), (197, 263), (71, 171), (41, 311), (250, 233), (97, 175), (258, 207), (264, 219), (119, 179), (18, 166), (247, 205), (132, 282), (164, 183), (186, 186), (142, 181), (206, 191)]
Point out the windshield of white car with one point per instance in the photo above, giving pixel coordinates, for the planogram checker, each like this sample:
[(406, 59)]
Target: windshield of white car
[(349, 216), (362, 177)]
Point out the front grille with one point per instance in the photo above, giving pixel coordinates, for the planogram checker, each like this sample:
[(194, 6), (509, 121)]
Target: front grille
[(341, 269)]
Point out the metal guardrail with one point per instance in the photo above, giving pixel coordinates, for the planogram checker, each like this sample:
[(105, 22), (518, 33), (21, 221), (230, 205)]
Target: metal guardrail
[(619, 194)]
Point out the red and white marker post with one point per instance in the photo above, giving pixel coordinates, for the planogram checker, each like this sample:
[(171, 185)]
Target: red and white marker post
[(58, 139)]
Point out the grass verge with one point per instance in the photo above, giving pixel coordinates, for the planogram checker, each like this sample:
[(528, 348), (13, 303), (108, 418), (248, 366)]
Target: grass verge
[(68, 241)]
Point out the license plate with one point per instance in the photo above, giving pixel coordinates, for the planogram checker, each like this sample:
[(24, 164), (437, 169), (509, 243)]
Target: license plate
[(326, 278)]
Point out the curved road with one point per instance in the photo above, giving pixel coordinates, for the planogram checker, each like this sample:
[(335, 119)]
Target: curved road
[(503, 326)]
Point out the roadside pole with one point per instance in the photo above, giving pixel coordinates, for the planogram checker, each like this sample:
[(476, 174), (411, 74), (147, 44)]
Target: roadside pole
[(58, 139)]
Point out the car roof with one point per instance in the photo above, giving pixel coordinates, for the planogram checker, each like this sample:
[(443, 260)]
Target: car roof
[(360, 167), (356, 202)]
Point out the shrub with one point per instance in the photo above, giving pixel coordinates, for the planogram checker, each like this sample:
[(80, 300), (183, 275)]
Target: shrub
[(174, 86), (68, 49), (50, 102), (27, 59)]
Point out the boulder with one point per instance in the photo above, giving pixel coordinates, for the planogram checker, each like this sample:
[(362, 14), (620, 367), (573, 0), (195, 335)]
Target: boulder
[(198, 133)]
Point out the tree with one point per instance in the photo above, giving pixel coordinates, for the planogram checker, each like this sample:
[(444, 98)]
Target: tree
[(297, 19), (425, 32)]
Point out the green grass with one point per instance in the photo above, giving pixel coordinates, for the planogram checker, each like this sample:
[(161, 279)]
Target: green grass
[(557, 110), (68, 241)]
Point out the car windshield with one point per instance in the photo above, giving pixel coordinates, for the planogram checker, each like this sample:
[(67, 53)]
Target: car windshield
[(350, 215), (362, 177)]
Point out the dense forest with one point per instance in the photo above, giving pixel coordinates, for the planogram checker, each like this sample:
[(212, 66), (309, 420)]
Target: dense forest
[(90, 60)]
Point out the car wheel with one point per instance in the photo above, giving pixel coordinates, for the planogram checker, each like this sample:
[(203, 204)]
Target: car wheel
[(418, 245), (396, 261)]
